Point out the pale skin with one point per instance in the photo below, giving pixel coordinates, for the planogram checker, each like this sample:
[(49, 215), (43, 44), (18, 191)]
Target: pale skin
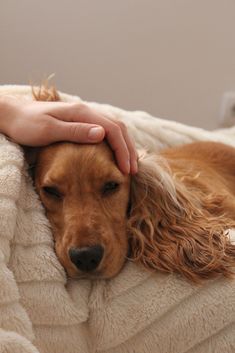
[(42, 123)]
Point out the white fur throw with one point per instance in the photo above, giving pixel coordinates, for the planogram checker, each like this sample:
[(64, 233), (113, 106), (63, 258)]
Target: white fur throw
[(136, 312)]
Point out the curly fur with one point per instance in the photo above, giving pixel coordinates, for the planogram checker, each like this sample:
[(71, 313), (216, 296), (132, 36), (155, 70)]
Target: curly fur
[(175, 226)]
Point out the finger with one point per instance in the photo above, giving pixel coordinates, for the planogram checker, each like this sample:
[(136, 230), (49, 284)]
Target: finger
[(77, 132), (131, 147), (118, 145)]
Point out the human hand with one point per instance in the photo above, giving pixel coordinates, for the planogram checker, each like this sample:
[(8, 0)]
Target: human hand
[(41, 123)]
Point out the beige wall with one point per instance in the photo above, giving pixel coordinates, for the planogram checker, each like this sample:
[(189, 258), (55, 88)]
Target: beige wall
[(173, 58)]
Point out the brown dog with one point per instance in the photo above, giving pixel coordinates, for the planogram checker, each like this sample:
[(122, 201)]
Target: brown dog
[(173, 216)]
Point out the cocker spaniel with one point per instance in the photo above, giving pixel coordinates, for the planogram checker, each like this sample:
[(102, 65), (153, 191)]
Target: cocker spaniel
[(172, 216)]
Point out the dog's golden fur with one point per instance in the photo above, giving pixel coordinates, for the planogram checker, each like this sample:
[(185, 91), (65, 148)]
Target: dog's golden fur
[(183, 204), (173, 216)]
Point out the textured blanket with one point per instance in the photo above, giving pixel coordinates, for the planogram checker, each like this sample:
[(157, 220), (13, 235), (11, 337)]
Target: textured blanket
[(136, 312)]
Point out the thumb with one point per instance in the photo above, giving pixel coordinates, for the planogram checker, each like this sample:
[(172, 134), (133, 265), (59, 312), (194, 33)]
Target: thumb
[(78, 132)]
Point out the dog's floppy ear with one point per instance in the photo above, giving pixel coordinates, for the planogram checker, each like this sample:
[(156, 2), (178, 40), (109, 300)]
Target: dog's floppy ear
[(31, 156), (173, 230)]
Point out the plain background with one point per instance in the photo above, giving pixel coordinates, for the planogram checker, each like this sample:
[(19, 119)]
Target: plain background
[(172, 58)]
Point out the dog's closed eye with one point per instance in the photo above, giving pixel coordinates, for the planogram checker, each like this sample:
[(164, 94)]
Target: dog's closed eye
[(52, 191), (110, 187)]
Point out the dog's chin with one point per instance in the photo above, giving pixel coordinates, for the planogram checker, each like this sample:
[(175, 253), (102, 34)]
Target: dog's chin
[(94, 275), (87, 275)]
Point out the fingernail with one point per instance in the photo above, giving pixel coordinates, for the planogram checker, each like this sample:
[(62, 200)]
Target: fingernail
[(96, 133)]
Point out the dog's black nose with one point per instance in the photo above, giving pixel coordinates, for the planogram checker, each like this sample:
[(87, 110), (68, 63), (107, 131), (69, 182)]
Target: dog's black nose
[(88, 258)]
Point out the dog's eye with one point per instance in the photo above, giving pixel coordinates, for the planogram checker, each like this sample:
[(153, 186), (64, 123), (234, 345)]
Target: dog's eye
[(110, 187), (52, 191)]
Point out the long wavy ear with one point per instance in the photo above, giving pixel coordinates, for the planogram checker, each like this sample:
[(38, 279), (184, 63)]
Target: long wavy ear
[(173, 230)]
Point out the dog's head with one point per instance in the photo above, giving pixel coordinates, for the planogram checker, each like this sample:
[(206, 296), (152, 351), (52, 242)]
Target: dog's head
[(86, 200)]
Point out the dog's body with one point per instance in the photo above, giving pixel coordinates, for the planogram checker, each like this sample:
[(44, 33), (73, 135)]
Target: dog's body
[(172, 216)]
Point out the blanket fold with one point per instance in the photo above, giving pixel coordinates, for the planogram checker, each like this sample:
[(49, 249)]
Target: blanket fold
[(154, 308), (135, 312)]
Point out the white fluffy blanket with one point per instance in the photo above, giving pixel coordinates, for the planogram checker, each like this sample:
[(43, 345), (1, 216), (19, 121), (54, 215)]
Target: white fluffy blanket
[(136, 312)]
